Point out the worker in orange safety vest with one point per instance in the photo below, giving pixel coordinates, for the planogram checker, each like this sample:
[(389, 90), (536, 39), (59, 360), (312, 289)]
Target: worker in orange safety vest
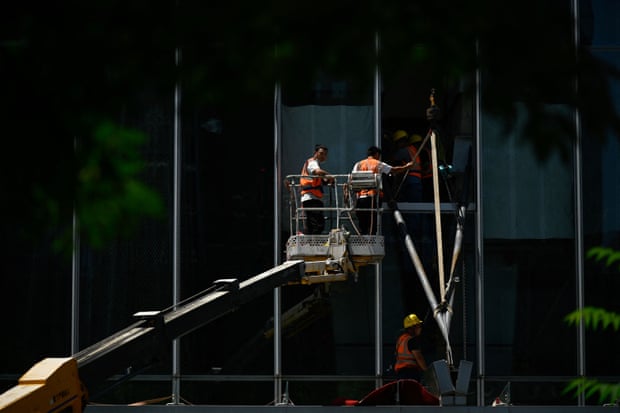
[(371, 198), (311, 183), (410, 187), (410, 362)]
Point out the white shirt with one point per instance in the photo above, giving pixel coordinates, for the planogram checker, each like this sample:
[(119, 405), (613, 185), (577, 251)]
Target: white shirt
[(382, 168)]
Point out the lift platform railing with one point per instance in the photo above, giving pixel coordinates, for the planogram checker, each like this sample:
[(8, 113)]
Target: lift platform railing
[(341, 249), (339, 200)]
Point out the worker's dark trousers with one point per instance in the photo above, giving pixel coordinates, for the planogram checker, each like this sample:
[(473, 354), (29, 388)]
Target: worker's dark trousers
[(315, 220), (367, 220), (409, 373)]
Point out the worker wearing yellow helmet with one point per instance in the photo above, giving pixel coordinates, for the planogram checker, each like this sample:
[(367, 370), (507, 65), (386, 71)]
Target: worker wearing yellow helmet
[(415, 138), (398, 135), (410, 362)]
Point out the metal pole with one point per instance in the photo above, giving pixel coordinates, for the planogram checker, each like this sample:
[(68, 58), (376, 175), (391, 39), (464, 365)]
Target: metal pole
[(377, 95), (176, 233), (479, 246), (75, 286), (378, 286), (579, 247), (277, 293)]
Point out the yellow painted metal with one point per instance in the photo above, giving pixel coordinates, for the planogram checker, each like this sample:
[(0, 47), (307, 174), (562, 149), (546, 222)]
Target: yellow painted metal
[(52, 384)]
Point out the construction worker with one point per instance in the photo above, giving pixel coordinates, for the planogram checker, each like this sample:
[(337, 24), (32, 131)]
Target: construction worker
[(424, 168), (410, 149), (312, 181), (410, 187), (410, 363), (371, 198)]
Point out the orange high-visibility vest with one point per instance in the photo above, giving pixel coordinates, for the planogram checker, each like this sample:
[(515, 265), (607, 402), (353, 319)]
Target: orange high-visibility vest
[(404, 357), (417, 171), (312, 185), (371, 165)]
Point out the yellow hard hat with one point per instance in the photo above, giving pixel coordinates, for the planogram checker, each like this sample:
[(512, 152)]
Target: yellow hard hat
[(399, 134), (411, 320), (415, 138)]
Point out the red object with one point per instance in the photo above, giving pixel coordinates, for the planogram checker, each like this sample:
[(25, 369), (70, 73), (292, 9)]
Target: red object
[(341, 401), (401, 392)]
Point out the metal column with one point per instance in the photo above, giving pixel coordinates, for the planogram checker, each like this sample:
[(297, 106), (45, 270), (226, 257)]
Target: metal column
[(176, 233), (479, 268), (378, 286), (579, 248), (277, 293)]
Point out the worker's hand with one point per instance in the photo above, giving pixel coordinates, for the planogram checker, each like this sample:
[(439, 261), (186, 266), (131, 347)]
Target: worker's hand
[(409, 165), (328, 179)]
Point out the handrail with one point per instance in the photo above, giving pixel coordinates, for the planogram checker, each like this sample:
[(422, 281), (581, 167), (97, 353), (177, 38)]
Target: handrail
[(345, 186)]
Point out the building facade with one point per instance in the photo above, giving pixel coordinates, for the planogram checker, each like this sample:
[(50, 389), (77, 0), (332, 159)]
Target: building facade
[(529, 224)]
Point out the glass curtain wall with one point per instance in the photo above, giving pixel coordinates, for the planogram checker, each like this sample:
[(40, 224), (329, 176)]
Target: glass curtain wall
[(531, 271), (529, 268), (529, 245), (528, 219), (341, 321), (335, 337), (403, 291)]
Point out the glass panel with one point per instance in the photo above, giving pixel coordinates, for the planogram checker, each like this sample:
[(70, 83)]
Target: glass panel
[(131, 275), (602, 229), (600, 22), (228, 392), (37, 291), (529, 258), (137, 391), (327, 327), (405, 100), (227, 224)]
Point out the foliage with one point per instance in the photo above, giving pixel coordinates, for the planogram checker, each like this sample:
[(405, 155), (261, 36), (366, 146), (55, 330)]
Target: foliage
[(108, 190), (594, 317), (609, 254), (590, 387)]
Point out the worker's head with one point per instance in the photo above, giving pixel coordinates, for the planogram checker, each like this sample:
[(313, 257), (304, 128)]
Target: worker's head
[(398, 135), (412, 320), (374, 151), (320, 152), (415, 138)]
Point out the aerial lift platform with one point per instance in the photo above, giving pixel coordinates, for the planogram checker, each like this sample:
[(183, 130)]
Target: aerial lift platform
[(338, 254)]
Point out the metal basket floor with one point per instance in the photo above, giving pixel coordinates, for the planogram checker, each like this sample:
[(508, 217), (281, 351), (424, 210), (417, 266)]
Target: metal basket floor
[(362, 248)]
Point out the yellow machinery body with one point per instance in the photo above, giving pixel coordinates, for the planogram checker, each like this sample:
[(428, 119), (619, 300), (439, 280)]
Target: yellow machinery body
[(51, 385), (64, 385)]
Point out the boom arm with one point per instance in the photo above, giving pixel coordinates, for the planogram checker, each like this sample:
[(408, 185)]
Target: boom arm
[(55, 384)]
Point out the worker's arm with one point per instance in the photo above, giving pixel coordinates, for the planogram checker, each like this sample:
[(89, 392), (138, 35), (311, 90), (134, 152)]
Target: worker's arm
[(420, 359), (320, 172), (315, 169), (402, 168), (327, 178)]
